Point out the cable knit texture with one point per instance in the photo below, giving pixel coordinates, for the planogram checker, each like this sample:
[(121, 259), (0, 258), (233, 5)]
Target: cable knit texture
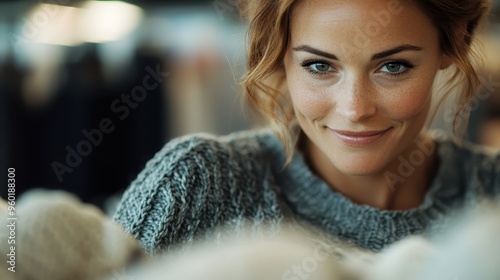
[(199, 183)]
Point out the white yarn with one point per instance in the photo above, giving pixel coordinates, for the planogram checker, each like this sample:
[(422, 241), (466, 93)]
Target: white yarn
[(58, 237), (61, 238)]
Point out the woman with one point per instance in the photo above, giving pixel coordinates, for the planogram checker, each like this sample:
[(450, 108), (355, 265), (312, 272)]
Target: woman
[(348, 86)]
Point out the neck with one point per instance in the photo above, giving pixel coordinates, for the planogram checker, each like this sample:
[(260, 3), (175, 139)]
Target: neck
[(401, 185)]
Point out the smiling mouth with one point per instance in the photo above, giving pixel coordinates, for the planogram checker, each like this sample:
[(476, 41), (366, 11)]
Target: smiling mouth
[(359, 138)]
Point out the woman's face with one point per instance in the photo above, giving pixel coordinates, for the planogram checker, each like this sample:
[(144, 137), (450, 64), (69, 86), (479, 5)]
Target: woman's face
[(360, 74)]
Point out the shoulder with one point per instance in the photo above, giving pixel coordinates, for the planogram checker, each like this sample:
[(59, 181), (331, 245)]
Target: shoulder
[(203, 152), (207, 146), (478, 167), (194, 183)]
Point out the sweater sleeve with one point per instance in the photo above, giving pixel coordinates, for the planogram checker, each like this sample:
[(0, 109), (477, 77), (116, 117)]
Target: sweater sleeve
[(175, 197)]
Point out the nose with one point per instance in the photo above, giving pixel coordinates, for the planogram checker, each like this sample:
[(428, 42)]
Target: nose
[(355, 100)]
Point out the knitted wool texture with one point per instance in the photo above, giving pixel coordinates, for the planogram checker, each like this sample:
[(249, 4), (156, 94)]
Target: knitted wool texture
[(59, 238), (470, 249), (200, 183)]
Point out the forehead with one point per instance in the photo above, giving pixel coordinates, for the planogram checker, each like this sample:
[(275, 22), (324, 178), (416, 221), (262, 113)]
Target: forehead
[(364, 24)]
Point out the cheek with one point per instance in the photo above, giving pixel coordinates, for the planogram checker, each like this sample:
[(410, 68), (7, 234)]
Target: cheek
[(407, 103), (308, 100)]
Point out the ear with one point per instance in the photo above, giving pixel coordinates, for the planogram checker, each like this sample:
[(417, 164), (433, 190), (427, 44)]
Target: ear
[(445, 62)]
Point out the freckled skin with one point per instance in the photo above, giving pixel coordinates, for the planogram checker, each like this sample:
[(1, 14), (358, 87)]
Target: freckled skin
[(358, 94)]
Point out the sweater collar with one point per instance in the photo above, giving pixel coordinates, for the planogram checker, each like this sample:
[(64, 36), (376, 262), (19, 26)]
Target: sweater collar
[(311, 199)]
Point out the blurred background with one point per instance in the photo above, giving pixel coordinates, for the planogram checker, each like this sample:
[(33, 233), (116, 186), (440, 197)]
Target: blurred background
[(90, 90)]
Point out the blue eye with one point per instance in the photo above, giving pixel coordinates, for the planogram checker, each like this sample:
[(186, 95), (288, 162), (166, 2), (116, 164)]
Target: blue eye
[(393, 67), (320, 67), (396, 68), (316, 67)]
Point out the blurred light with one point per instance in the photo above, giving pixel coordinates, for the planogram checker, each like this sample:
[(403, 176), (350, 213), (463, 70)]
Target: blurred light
[(51, 24), (94, 22), (491, 45), (107, 21)]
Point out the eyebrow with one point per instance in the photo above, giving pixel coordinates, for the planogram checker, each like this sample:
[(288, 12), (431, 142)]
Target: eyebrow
[(402, 48)]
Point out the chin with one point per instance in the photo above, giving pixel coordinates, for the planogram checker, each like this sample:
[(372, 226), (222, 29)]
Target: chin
[(359, 167), (356, 171)]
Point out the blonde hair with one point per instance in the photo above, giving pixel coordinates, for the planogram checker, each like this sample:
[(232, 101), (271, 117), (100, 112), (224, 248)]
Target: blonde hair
[(269, 34)]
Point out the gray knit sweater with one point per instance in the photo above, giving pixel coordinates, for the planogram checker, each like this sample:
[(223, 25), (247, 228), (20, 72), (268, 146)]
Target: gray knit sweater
[(201, 182)]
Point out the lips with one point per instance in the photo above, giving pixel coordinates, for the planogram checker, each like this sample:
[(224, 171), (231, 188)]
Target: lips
[(359, 138)]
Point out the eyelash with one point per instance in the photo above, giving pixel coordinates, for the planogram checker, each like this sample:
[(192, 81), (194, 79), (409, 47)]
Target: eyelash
[(306, 65), (408, 66)]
